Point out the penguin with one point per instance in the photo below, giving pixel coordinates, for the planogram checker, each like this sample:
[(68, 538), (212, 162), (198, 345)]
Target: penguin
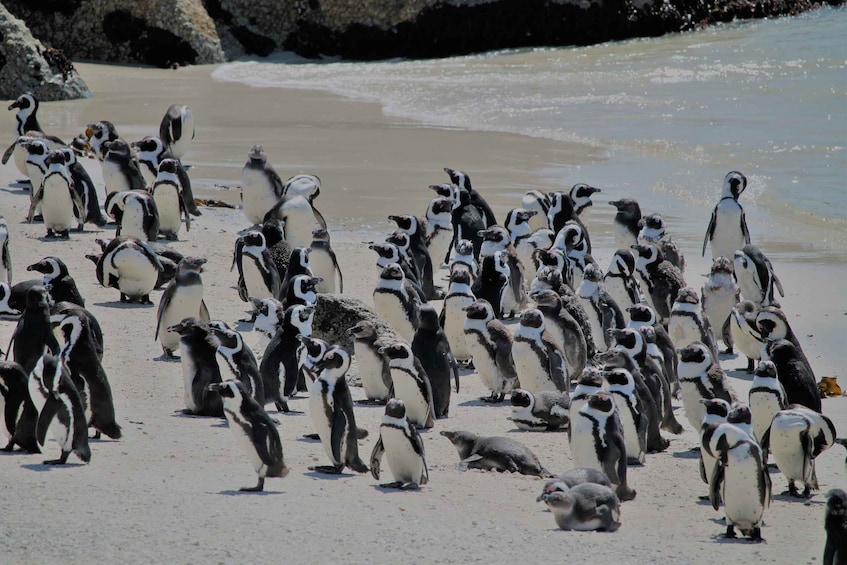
[(581, 194), (539, 240), (19, 150), (741, 416), (396, 302), (496, 240), (170, 201), (588, 382), (403, 446), (655, 352), (19, 416), (63, 309), (794, 374), (308, 186), (626, 222), (439, 229), (58, 280), (120, 171), (452, 318), (687, 323), (545, 410), (564, 331), (279, 366), (331, 411), (129, 265), (80, 357), (715, 414), (374, 371), (745, 333), (468, 221), (835, 524), (391, 253), (85, 188), (253, 429), (561, 211), (432, 349), (766, 397), (539, 362), (493, 284), (199, 367), (99, 135), (519, 228), (573, 240), (727, 231), (538, 202), (280, 250), (64, 405), (238, 359), (720, 294), (653, 230), (596, 441), (310, 351), (33, 335), (464, 255), (586, 507), (741, 480), (495, 454), (555, 259), (773, 325), (135, 212), (549, 277), (410, 383), (301, 290), (620, 282), (26, 124), (177, 129), (463, 181), (663, 279), (269, 313), (261, 187), (6, 296), (621, 386), (603, 311), (257, 274), (414, 228), (300, 217), (60, 203), (298, 264), (36, 151), (324, 263), (641, 315), (755, 276), (183, 298), (574, 477), (490, 345), (701, 378), (797, 436)]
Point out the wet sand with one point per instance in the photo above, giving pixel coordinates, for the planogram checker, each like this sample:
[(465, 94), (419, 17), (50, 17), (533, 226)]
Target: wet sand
[(167, 491)]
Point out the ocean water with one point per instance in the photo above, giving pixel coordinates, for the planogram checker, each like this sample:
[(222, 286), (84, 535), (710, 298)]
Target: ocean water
[(667, 117)]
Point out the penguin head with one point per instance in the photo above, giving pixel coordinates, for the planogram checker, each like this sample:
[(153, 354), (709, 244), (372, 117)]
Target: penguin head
[(34, 147), (772, 323), (648, 333), (307, 186), (617, 376), (547, 299), (99, 133), (444, 190), (615, 356), (397, 353), (521, 398), (439, 206), (257, 155), (117, 148), (780, 351), (306, 283), (94, 257), (601, 402), (627, 208), (647, 256), (392, 272), (407, 223), (254, 239), (459, 178), (570, 236), (581, 194), (320, 235), (189, 264), (697, 354), (49, 371), (551, 257), (387, 251), (734, 183), (300, 317), (716, 407), (462, 440), (722, 266), (169, 166), (560, 503), (25, 103), (36, 297), (519, 216), (550, 276), (459, 274), (622, 263), (150, 144), (400, 239), (315, 347), (836, 503), (627, 338), (365, 330), (533, 318), (552, 486), (189, 326), (269, 313), (70, 327), (687, 295), (479, 310), (395, 408), (229, 340), (464, 247), (495, 234), (55, 159), (50, 267), (652, 228), (335, 360), (428, 316), (592, 274), (590, 377), (501, 262), (766, 370), (642, 313), (739, 413), (274, 231), (229, 389)]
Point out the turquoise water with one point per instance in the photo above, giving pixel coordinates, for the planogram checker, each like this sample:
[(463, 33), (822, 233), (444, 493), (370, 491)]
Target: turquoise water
[(669, 116)]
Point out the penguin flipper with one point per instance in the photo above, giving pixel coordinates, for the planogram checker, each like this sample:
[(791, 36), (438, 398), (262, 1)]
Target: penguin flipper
[(151, 255), (808, 445), (715, 483), (319, 217), (7, 154), (376, 458), (338, 269), (242, 290), (48, 412), (204, 312), (167, 296), (710, 231), (558, 369), (7, 260), (267, 442), (744, 231), (79, 206)]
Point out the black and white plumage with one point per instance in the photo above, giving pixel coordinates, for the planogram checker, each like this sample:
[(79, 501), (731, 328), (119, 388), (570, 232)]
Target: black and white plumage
[(663, 280), (324, 263), (520, 230), (701, 378), (261, 187), (596, 441), (727, 231), (18, 416), (298, 264), (36, 150), (403, 447), (561, 212), (311, 350), (374, 372), (130, 265), (766, 398), (60, 203), (120, 171), (396, 301), (490, 344), (415, 228), (539, 361), (626, 222), (588, 382), (391, 253), (331, 412), (620, 281), (497, 243), (410, 383), (257, 274), (794, 374), (439, 229), (300, 217), (643, 315), (492, 284), (544, 410), (452, 319), (99, 135), (432, 349), (269, 314), (279, 366), (715, 412), (183, 298), (538, 202), (79, 353), (688, 324), (26, 124), (564, 330), (463, 181), (177, 129), (237, 362), (745, 333), (57, 280), (797, 436), (527, 247), (835, 524), (603, 311), (33, 335), (632, 413), (468, 221), (585, 507), (573, 240), (756, 277), (135, 213), (581, 194), (773, 325), (654, 230), (200, 368), (172, 203), (463, 254), (499, 454), (253, 430), (62, 411), (719, 295)]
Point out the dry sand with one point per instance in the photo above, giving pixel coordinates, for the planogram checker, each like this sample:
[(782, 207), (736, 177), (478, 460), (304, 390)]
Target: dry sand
[(167, 491)]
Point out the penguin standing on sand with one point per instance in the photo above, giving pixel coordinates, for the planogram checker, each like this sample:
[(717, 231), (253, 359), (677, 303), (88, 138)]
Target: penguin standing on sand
[(261, 186), (298, 264), (199, 367), (439, 229), (86, 190), (688, 324), (300, 217), (171, 203), (331, 411), (183, 298), (396, 302), (492, 284), (463, 181), (129, 265), (177, 129), (589, 382), (603, 311), (58, 280), (543, 411), (403, 447), (464, 255), (564, 330), (663, 280), (794, 374), (766, 398), (279, 367), (413, 227), (620, 281), (99, 135), (701, 378), (253, 430), (257, 274), (452, 319), (538, 202), (324, 263), (626, 222), (596, 441), (64, 405), (539, 362), (374, 371), (432, 349), (496, 240), (756, 277), (720, 294), (60, 203), (18, 416), (634, 421), (727, 231), (235, 356), (490, 344), (745, 333), (26, 124), (410, 383), (120, 171), (33, 335), (654, 230)]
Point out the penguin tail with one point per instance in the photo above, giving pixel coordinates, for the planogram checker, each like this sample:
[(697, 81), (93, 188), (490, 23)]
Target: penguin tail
[(358, 465), (112, 430), (83, 452)]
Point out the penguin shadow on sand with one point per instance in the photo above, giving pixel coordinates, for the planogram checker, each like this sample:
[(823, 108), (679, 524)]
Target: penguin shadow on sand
[(247, 493), (41, 467), (17, 187)]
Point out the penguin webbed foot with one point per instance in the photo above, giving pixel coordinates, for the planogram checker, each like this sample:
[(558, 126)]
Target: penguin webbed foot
[(315, 437), (756, 535), (395, 484), (327, 469), (605, 515), (730, 532), (9, 446), (372, 402), (146, 300), (494, 398), (60, 461), (96, 435), (260, 486)]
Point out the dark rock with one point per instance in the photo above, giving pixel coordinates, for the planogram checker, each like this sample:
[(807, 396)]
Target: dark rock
[(336, 313)]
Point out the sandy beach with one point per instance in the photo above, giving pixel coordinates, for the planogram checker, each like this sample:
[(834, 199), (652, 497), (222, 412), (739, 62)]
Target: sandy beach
[(168, 490)]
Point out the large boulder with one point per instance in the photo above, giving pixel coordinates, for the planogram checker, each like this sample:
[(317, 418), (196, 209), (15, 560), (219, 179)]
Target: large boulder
[(154, 32), (336, 313), (26, 65)]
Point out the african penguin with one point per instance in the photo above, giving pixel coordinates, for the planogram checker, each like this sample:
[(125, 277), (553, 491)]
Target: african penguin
[(727, 231), (626, 222), (794, 374), (324, 263), (663, 280), (129, 265), (756, 277), (701, 378), (719, 296), (64, 405), (135, 213), (183, 298), (432, 349), (403, 446), (177, 129), (585, 507), (18, 416), (539, 362), (745, 333), (257, 274), (544, 410), (621, 386), (410, 383), (439, 229), (603, 311), (463, 181), (415, 229), (60, 203), (495, 454), (397, 302), (57, 280), (620, 281), (261, 187), (688, 323), (171, 201), (33, 335), (236, 358), (120, 171), (490, 345), (564, 330), (279, 366), (653, 230), (199, 367), (538, 202), (374, 372), (766, 398), (452, 319)]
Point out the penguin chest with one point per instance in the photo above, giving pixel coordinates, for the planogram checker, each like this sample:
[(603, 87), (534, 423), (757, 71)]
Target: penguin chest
[(318, 402), (408, 389), (617, 289), (189, 371), (742, 486), (749, 289), (531, 364), (392, 307), (594, 317), (763, 406), (718, 304), (57, 206), (136, 274), (454, 325), (371, 365), (486, 368), (586, 440), (728, 236), (323, 266), (114, 177), (691, 396), (20, 154), (787, 449), (167, 201), (744, 339), (35, 172), (134, 220), (438, 245), (404, 462), (623, 236), (254, 279), (684, 329), (525, 420), (628, 411), (257, 193), (240, 428), (185, 303)]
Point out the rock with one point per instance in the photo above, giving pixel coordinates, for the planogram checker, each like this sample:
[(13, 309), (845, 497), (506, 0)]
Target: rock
[(336, 313), (163, 33), (26, 65)]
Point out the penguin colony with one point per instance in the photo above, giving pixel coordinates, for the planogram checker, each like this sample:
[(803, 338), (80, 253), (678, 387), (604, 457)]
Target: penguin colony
[(596, 352)]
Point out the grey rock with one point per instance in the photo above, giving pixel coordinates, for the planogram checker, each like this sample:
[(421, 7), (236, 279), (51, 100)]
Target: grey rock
[(336, 313)]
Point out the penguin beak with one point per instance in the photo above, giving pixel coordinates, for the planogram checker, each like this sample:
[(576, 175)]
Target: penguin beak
[(214, 387), (593, 190), (393, 218), (13, 105)]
